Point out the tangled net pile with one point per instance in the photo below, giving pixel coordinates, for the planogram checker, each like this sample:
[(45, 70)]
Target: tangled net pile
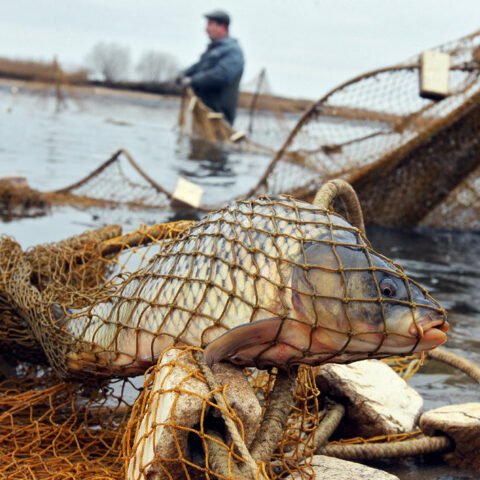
[(93, 424), (50, 428)]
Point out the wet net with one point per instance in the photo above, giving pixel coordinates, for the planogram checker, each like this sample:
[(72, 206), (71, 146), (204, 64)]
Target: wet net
[(98, 309), (412, 160), (263, 120), (405, 155)]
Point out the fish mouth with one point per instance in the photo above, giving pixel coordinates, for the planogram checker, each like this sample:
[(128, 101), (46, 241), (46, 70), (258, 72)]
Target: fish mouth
[(430, 330)]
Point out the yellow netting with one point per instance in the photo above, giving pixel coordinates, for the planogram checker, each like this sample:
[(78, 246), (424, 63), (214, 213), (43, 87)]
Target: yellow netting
[(301, 284), (52, 429), (395, 437)]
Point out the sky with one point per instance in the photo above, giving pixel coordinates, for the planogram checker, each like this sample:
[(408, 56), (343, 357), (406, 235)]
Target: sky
[(307, 46)]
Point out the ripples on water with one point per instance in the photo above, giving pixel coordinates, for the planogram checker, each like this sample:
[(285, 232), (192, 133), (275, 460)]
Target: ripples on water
[(55, 149)]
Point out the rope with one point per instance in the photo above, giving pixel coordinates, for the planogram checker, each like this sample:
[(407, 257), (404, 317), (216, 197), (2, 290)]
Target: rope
[(275, 418), (341, 190), (328, 425), (374, 451), (218, 458), (230, 424), (332, 418), (454, 360)]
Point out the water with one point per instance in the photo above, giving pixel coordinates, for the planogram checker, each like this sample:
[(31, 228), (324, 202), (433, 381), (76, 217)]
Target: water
[(55, 149), (448, 264)]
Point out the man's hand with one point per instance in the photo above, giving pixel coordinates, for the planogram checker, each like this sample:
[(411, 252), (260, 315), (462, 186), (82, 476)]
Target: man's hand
[(183, 81)]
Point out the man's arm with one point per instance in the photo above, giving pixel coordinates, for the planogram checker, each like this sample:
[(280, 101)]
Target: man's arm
[(191, 70), (228, 67)]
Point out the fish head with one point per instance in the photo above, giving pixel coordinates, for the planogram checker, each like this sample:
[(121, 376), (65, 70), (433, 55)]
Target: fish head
[(347, 303), (362, 305)]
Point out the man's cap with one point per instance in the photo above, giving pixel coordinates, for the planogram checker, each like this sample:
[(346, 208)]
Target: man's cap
[(219, 16)]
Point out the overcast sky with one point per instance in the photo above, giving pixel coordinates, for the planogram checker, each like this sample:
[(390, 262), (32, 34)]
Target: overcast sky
[(307, 46)]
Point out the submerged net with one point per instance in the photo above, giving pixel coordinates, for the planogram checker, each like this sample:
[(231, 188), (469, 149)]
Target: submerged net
[(100, 306)]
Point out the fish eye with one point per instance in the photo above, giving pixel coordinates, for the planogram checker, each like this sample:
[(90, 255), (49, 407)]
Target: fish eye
[(388, 288)]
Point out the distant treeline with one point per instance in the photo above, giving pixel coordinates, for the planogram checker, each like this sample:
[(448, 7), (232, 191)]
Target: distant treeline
[(32, 70), (53, 73)]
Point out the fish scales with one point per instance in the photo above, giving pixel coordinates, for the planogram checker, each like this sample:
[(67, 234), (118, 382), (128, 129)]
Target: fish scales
[(261, 282), (229, 269)]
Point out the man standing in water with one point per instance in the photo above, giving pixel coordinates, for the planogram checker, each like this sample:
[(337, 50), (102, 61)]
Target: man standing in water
[(215, 78)]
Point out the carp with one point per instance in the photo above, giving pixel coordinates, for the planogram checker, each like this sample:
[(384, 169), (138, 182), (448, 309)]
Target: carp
[(266, 282)]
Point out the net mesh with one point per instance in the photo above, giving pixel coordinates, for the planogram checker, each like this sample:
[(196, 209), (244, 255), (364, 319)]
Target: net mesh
[(98, 309), (412, 160), (404, 154)]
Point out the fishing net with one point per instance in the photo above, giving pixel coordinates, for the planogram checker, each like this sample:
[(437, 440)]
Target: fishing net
[(403, 153), (18, 200), (96, 310), (57, 272), (117, 182), (270, 118), (412, 160), (263, 120), (460, 209)]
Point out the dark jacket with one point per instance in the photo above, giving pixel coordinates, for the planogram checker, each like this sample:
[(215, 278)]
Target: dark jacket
[(216, 76)]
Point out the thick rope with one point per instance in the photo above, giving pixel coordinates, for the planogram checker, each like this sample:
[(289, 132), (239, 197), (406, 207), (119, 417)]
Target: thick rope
[(341, 190), (454, 360), (275, 418), (230, 424), (332, 418), (374, 451), (328, 425), (218, 458)]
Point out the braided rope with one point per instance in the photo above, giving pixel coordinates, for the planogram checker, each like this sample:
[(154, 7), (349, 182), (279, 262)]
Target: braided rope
[(374, 451), (275, 418), (341, 190), (328, 425), (454, 360), (230, 424)]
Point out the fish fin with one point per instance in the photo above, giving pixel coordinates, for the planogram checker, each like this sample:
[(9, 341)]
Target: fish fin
[(242, 337)]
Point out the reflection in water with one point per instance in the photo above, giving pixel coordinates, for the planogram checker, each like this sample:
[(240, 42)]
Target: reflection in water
[(211, 160), (201, 149), (184, 214)]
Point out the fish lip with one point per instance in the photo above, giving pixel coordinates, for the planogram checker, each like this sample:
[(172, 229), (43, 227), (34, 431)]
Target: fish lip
[(428, 322)]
